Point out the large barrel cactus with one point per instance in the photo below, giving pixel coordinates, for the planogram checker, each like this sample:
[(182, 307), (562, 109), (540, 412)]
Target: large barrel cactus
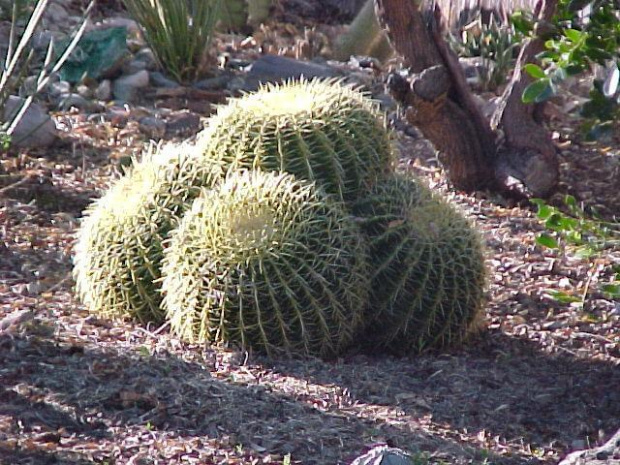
[(268, 262), (428, 268), (322, 131), (119, 248)]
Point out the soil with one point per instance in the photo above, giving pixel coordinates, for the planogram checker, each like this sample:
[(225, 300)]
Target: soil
[(540, 381)]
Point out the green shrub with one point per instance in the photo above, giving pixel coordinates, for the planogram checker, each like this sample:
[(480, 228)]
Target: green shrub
[(178, 32), (119, 247), (322, 131), (584, 236), (268, 262), (428, 268)]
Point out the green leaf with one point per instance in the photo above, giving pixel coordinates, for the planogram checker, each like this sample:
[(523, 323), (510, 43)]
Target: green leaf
[(547, 241), (612, 290), (563, 297), (574, 35), (537, 91), (534, 70)]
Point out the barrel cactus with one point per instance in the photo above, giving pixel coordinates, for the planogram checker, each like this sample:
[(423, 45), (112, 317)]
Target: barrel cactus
[(119, 247), (322, 131), (268, 262), (428, 268)]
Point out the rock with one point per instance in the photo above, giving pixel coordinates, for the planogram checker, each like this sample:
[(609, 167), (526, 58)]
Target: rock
[(104, 90), (84, 91), (474, 68), (183, 124), (56, 15), (383, 455), (133, 66), (274, 68), (214, 83), (146, 55), (159, 80), (56, 89), (129, 24), (126, 88), (36, 128), (73, 100), (607, 454), (153, 127)]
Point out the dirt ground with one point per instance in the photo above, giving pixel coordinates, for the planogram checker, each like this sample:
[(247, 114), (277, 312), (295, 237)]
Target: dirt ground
[(540, 381)]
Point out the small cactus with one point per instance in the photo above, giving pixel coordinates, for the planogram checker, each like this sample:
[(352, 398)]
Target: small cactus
[(119, 247), (428, 268), (269, 262), (321, 131)]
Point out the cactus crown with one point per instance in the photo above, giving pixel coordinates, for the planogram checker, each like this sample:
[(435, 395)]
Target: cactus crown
[(269, 262), (322, 131)]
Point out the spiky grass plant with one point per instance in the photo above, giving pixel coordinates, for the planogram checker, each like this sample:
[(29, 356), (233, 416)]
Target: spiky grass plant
[(119, 248), (321, 131), (428, 268), (268, 262), (178, 32)]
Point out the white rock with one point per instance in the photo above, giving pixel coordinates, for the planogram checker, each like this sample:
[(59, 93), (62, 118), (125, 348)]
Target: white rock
[(126, 87), (36, 128)]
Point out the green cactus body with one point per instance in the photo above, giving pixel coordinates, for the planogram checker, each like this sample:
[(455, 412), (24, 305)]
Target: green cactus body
[(428, 268), (322, 131), (118, 250), (268, 262)]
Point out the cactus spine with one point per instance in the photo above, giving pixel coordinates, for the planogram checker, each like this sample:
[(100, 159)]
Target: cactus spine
[(428, 263), (268, 262)]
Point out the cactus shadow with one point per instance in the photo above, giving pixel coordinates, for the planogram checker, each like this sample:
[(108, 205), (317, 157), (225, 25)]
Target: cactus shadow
[(111, 394), (499, 387)]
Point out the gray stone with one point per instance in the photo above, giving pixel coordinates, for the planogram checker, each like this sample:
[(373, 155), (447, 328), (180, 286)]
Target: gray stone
[(84, 91), (214, 83), (73, 100), (147, 56), (153, 127), (104, 90), (129, 24), (35, 129), (133, 66), (274, 68), (159, 80), (183, 123), (56, 89), (126, 88), (55, 17)]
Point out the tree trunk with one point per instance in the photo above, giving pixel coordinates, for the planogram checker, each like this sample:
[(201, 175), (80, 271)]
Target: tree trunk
[(438, 101)]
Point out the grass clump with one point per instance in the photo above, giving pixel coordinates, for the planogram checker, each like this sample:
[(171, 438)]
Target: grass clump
[(178, 32)]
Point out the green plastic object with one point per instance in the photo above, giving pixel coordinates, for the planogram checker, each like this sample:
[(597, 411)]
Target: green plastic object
[(428, 268), (98, 54), (268, 262)]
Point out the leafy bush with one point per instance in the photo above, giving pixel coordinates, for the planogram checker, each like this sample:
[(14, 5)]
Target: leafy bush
[(178, 32), (576, 233), (576, 43), (269, 262)]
